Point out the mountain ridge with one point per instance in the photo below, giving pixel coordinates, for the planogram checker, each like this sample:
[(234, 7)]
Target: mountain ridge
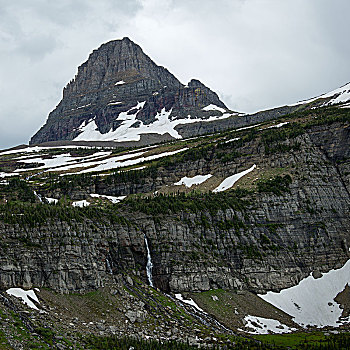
[(119, 95)]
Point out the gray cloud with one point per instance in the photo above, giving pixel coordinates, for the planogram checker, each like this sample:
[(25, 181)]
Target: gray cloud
[(255, 53), (36, 47)]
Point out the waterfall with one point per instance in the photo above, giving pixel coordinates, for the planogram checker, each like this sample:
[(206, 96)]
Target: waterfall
[(38, 196), (149, 265), (109, 268)]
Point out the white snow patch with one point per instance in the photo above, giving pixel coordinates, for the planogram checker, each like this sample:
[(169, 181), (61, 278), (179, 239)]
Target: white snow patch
[(247, 127), (311, 302), (188, 301), (347, 105), (277, 125), (231, 140), (31, 149), (132, 169), (339, 95), (113, 199), (231, 180), (114, 103), (212, 107), (195, 180), (114, 162), (89, 104), (148, 147), (261, 325), (120, 82), (2, 175), (99, 161), (82, 203), (51, 200), (62, 161), (38, 196), (25, 295), (58, 160), (212, 118), (126, 132), (140, 105), (21, 150)]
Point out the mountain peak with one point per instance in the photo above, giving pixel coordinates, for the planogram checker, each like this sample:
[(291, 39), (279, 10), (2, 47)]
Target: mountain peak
[(116, 61), (111, 84)]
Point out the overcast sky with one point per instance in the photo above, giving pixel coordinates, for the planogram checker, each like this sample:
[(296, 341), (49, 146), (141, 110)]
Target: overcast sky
[(255, 54)]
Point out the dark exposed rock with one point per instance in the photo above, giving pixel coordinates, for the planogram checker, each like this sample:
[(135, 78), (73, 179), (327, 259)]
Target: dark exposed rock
[(316, 274), (97, 92)]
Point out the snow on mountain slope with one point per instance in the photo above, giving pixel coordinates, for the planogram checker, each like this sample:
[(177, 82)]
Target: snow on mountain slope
[(131, 128), (32, 161), (231, 180), (340, 95), (26, 295), (311, 302), (261, 325), (112, 163), (212, 107), (61, 160), (124, 74), (190, 301), (38, 149), (81, 204), (195, 180), (113, 199)]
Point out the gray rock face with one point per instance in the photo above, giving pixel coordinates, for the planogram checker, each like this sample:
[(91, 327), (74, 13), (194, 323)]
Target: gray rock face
[(278, 240), (114, 79)]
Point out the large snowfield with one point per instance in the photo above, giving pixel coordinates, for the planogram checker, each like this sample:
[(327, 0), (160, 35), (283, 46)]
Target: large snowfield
[(132, 128), (311, 302)]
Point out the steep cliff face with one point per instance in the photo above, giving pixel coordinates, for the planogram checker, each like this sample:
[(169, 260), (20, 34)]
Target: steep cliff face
[(119, 81), (290, 218), (271, 244)]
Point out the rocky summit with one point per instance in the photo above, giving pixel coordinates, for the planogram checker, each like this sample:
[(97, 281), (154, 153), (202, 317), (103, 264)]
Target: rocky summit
[(120, 94)]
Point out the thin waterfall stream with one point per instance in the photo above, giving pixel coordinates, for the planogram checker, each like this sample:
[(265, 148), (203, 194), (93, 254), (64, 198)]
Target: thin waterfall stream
[(149, 264), (38, 196), (109, 267)]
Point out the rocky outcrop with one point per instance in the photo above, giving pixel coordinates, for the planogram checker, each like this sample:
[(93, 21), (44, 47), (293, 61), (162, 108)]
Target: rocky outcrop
[(113, 80)]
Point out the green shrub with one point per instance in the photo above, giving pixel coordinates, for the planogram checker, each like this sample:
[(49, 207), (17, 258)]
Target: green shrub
[(278, 185), (192, 202)]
